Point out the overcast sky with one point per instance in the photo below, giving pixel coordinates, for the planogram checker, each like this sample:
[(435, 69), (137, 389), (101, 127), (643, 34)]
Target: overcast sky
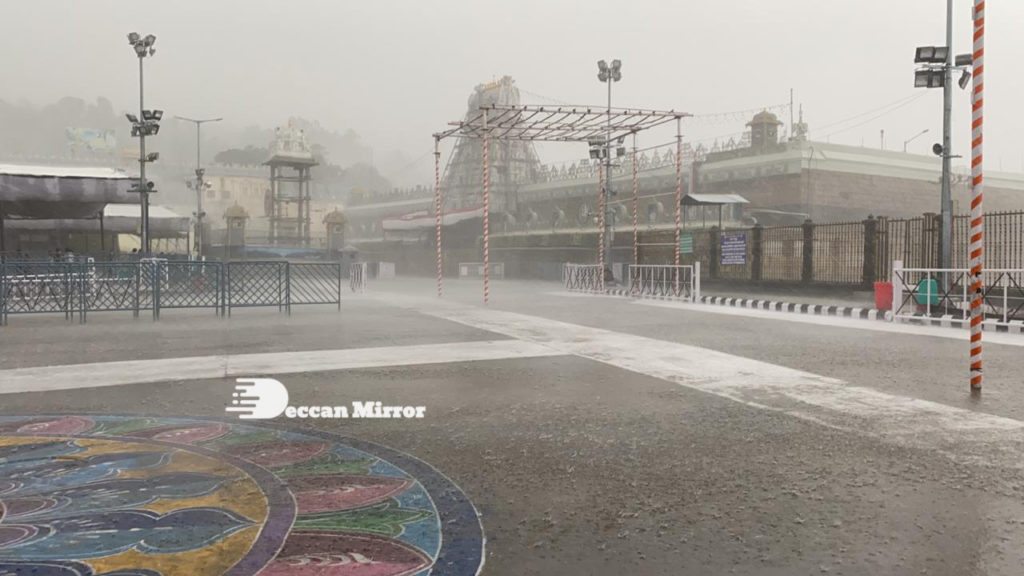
[(397, 70)]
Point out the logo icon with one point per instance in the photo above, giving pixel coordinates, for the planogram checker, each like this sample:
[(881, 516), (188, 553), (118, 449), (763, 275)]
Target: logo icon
[(258, 398)]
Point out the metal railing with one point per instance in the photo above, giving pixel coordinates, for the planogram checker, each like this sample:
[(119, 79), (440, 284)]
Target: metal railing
[(314, 283), (670, 281), (357, 276), (77, 289), (583, 277), (937, 292), (476, 270)]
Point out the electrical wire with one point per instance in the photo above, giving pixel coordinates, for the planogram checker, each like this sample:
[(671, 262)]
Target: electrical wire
[(873, 118), (901, 101)]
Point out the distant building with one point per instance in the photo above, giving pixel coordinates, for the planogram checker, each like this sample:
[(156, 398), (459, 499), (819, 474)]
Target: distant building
[(784, 181)]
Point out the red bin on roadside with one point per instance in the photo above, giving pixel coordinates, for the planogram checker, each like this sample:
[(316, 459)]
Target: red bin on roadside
[(883, 295)]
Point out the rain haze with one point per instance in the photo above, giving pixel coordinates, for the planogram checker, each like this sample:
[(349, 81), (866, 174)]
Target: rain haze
[(396, 72), (464, 288)]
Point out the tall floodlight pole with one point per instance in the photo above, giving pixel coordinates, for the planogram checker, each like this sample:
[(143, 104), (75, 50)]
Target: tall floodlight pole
[(147, 124), (947, 147), (936, 71), (199, 182), (608, 75)]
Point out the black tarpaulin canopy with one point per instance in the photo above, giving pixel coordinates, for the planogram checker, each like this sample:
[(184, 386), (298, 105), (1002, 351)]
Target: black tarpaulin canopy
[(61, 192)]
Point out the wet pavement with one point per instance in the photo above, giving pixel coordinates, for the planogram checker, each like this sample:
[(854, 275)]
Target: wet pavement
[(647, 440)]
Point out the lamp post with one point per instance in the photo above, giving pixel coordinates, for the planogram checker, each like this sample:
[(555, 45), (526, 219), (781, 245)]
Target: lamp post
[(936, 71), (912, 138), (148, 124), (608, 74), (199, 183)]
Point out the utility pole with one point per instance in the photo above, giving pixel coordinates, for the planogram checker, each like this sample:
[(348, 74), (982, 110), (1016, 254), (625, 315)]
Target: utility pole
[(143, 183), (947, 143), (608, 74), (936, 66), (146, 124), (199, 182)]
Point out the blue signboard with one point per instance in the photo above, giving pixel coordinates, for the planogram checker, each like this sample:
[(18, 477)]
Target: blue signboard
[(734, 249)]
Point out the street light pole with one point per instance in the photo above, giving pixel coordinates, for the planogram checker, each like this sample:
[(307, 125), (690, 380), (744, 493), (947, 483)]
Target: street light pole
[(915, 137), (609, 224), (199, 182), (947, 142), (148, 122), (143, 183), (608, 75), (937, 64)]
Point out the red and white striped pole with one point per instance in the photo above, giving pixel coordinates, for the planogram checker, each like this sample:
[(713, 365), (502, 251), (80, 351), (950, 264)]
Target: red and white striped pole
[(679, 184), (437, 212), (487, 219), (600, 225), (636, 202), (977, 243)]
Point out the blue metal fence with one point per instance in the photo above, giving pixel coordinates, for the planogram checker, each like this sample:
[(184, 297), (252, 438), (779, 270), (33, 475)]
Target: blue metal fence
[(77, 289)]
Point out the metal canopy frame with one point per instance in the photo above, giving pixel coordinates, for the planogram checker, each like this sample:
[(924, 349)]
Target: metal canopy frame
[(559, 124), (531, 123)]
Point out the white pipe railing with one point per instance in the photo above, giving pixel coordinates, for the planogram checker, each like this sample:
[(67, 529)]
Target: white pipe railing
[(919, 292), (357, 276), (665, 280), (583, 277)]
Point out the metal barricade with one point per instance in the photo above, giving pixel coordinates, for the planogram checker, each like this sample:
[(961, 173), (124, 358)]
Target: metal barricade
[(39, 287), (937, 292), (252, 284), (583, 277), (113, 286), (357, 276), (188, 285), (681, 282), (155, 285), (314, 283)]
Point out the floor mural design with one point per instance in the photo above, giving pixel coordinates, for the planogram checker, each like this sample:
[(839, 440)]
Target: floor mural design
[(148, 496)]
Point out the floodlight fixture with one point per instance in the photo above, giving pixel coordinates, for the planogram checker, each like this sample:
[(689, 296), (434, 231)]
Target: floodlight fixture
[(965, 79), (964, 60), (927, 78), (616, 70), (132, 118), (133, 38), (149, 40), (152, 157), (938, 150), (931, 55)]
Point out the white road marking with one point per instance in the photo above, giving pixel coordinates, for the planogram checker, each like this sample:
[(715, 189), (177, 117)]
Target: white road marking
[(966, 435), (48, 378)]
